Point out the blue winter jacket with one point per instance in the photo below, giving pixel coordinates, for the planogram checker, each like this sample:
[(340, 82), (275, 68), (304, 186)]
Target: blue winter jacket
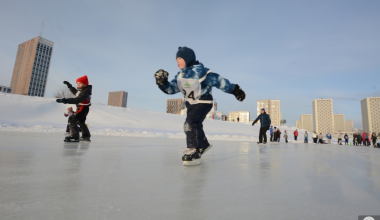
[(264, 120), (197, 71), (328, 136), (271, 130)]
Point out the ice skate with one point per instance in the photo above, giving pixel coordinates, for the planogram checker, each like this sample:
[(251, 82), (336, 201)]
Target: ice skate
[(191, 157), (71, 139), (259, 143), (203, 151)]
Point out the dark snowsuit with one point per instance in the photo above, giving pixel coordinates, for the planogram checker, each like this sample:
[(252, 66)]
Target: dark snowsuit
[(265, 124), (82, 101)]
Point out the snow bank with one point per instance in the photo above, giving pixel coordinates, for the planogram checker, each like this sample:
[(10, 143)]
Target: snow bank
[(36, 114)]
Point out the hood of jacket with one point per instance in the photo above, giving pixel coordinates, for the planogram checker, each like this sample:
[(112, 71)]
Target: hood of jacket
[(87, 89)]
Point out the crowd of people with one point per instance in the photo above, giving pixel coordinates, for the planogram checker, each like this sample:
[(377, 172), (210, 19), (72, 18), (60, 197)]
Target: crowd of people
[(358, 139)]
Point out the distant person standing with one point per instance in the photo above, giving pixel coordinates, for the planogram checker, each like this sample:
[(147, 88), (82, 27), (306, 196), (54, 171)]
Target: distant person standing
[(275, 134), (320, 137), (238, 119), (265, 124), (328, 136), (295, 134), (374, 137), (306, 136), (286, 136), (346, 139), (278, 135), (360, 139), (271, 133), (366, 138), (315, 137), (340, 139)]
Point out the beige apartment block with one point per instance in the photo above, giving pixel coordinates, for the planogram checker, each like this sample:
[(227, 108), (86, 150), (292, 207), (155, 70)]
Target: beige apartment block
[(298, 124), (31, 68), (174, 106), (371, 114), (272, 108), (349, 126), (339, 123), (323, 117), (119, 98), (307, 122), (243, 116)]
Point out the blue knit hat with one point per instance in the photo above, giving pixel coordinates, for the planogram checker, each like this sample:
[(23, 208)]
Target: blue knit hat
[(263, 109), (187, 54)]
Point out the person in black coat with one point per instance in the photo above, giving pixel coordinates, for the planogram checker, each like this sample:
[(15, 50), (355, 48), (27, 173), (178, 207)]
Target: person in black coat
[(265, 124)]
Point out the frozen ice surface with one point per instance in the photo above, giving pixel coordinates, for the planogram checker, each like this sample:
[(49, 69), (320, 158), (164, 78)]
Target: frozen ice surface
[(41, 177)]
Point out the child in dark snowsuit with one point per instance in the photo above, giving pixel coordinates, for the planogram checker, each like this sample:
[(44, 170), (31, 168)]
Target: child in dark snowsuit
[(71, 123), (82, 101), (195, 82)]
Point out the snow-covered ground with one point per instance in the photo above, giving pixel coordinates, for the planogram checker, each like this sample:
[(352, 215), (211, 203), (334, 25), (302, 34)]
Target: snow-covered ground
[(36, 114), (114, 178)]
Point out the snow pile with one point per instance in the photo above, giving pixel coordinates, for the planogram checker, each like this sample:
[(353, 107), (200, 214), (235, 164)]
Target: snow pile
[(36, 114)]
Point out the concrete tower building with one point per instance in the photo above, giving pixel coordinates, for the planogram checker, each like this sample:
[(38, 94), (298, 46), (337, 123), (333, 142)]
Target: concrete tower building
[(371, 114), (272, 107), (31, 68), (323, 117), (307, 122), (174, 106), (339, 123), (243, 116), (298, 125), (118, 99), (349, 126)]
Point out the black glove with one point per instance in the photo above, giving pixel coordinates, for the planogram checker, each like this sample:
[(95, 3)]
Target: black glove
[(64, 101), (161, 77), (238, 93), (68, 84), (253, 124)]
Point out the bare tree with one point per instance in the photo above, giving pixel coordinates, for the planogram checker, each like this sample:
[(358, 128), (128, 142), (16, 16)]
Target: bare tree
[(63, 92)]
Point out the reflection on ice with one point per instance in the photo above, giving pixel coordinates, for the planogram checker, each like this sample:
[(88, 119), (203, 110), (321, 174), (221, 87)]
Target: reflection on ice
[(143, 178)]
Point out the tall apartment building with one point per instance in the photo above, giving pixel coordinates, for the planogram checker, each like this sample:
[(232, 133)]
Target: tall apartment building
[(349, 126), (371, 114), (31, 68), (323, 117), (307, 122), (243, 116), (339, 123), (119, 98), (272, 107), (5, 89), (174, 106), (298, 125)]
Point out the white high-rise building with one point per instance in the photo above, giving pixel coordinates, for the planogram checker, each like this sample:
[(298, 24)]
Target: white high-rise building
[(272, 108), (243, 116), (323, 117), (339, 123), (307, 122), (298, 125), (371, 114), (349, 126)]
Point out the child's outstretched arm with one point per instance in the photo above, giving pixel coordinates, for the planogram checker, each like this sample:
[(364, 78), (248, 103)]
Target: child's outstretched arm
[(163, 83), (227, 87), (72, 89)]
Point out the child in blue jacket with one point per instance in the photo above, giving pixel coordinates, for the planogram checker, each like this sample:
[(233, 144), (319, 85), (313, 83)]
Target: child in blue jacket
[(195, 82)]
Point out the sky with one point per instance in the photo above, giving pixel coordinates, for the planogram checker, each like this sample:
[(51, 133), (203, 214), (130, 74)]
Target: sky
[(295, 50)]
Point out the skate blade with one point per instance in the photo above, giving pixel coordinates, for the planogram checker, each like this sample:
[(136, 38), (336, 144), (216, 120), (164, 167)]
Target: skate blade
[(192, 163)]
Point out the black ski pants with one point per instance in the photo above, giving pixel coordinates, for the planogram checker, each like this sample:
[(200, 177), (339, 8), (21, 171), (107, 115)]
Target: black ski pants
[(81, 118), (263, 133), (271, 137), (193, 127), (295, 137)]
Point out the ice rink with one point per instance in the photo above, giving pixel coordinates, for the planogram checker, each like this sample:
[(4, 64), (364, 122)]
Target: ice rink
[(42, 178)]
